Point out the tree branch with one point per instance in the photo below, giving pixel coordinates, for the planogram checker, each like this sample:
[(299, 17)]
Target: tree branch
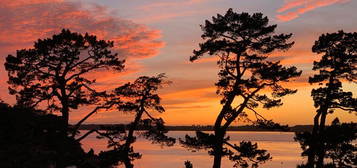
[(84, 71), (86, 134), (148, 114), (96, 131), (256, 113), (76, 127), (241, 108)]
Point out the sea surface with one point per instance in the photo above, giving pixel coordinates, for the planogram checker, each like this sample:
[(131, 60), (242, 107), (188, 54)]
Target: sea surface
[(281, 145)]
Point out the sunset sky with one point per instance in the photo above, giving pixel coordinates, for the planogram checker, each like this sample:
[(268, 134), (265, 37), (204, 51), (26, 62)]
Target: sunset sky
[(158, 36)]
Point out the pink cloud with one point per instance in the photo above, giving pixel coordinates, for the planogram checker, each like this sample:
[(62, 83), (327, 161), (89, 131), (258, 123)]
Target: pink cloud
[(24, 21), (300, 7), (13, 3), (291, 4)]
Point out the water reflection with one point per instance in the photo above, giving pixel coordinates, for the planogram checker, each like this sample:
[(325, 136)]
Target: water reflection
[(281, 145)]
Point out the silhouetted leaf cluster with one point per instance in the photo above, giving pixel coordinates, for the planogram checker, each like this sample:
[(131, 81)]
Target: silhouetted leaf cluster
[(200, 141), (243, 155), (188, 164), (248, 152), (155, 132), (270, 125)]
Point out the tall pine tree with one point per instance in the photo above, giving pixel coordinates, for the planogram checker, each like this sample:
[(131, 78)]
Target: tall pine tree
[(243, 43)]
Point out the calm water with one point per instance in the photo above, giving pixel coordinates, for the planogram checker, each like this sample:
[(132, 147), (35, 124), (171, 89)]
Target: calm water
[(281, 145)]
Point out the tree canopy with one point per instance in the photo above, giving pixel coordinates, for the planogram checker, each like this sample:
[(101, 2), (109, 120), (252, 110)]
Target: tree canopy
[(141, 98), (55, 71), (338, 62)]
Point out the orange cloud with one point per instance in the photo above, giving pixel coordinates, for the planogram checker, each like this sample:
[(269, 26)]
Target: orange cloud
[(137, 43), (300, 7), (24, 21), (28, 2)]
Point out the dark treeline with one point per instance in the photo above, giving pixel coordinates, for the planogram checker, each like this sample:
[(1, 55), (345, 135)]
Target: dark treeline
[(53, 79), (297, 128), (31, 139)]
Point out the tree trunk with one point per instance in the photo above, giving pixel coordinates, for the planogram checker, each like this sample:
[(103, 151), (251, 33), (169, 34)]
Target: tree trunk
[(127, 163), (132, 128), (217, 156), (219, 132), (319, 128), (321, 151), (65, 116), (313, 145), (130, 139), (217, 150), (65, 104)]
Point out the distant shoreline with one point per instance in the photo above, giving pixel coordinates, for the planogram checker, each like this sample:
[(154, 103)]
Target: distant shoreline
[(297, 128)]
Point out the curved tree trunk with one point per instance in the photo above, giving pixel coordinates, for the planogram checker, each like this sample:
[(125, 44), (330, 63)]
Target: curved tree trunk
[(219, 131), (130, 139), (318, 146), (324, 110)]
